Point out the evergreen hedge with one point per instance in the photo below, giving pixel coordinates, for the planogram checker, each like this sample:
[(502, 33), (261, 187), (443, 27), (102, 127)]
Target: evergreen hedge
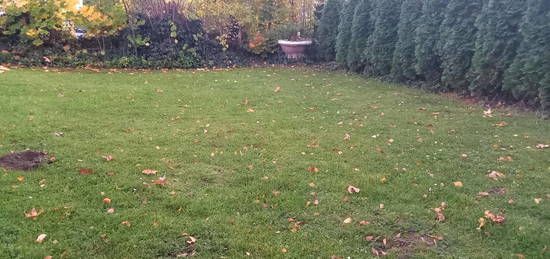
[(328, 29), (493, 49), (344, 32)]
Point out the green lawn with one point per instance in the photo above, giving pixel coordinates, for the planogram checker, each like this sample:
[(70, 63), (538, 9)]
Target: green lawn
[(240, 159)]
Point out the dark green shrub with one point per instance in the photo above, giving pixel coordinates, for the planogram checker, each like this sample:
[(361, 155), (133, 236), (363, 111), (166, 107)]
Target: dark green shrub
[(404, 59), (361, 28), (428, 57), (344, 32), (327, 30), (458, 35), (381, 43)]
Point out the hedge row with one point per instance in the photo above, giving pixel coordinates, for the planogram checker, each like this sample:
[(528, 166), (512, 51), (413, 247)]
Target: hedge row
[(492, 49)]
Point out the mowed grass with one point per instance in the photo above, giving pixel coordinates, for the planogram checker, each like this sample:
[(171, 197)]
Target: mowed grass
[(236, 154)]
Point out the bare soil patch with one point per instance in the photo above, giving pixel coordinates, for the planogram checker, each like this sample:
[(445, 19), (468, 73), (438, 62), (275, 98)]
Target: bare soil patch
[(23, 161)]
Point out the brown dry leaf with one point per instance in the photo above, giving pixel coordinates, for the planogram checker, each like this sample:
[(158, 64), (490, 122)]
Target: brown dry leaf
[(493, 217), (161, 181), (502, 124), (48, 257), (482, 223), (276, 193), (110, 210), (250, 110), (86, 171), (537, 200), (40, 238), (348, 220), (21, 178), (278, 89), (107, 157), (542, 146), (383, 180), (347, 137), (458, 184), (126, 223), (192, 240), (313, 169), (175, 118), (107, 201), (506, 159), (363, 222), (352, 189), (33, 214), (464, 155), (149, 172), (495, 175), (284, 250), (440, 217), (488, 113)]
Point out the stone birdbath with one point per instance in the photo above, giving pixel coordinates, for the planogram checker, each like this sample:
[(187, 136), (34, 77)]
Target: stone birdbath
[(294, 49)]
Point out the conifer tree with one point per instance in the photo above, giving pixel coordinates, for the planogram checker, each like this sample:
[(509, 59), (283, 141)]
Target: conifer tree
[(381, 44), (496, 45), (404, 59), (528, 79), (328, 29), (458, 34), (361, 29), (428, 61), (344, 32)]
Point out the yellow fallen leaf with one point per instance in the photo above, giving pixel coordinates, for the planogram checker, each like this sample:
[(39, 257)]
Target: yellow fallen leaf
[(458, 184)]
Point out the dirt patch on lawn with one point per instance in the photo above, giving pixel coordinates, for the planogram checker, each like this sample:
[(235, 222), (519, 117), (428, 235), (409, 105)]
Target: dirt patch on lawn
[(403, 245), (23, 161)]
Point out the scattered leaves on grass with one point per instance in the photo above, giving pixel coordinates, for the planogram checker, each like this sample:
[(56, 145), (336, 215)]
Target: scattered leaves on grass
[(33, 214), (495, 175), (352, 189), (86, 171), (149, 172), (40, 238)]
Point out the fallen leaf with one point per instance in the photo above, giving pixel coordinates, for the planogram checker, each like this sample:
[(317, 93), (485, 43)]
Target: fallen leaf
[(149, 172), (495, 175), (506, 159), (110, 210), (126, 223), (33, 214), (488, 113), (347, 137), (278, 89), (107, 157), (482, 223), (107, 201), (542, 146), (40, 238), (493, 217), (363, 222), (464, 155), (284, 250), (537, 200), (502, 124), (313, 169), (160, 181), (458, 184), (250, 110), (352, 189), (383, 180), (21, 178), (348, 220), (192, 240), (86, 171)]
